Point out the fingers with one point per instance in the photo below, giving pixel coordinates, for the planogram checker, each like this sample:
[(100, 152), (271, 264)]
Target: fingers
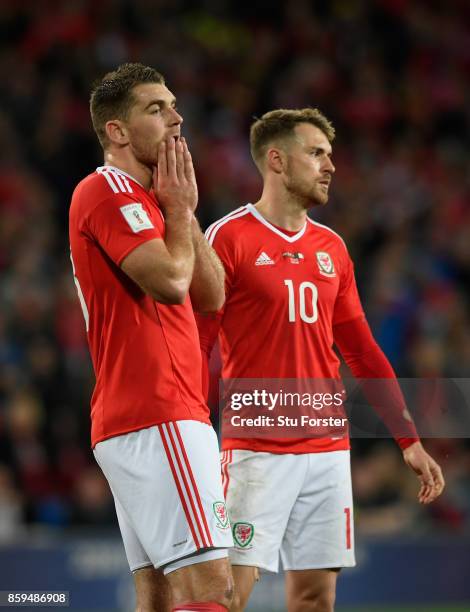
[(174, 181), (425, 493), (427, 485), (179, 150), (171, 157), (188, 162), (162, 166), (428, 472), (174, 158), (438, 477), (439, 482), (433, 485), (155, 178)]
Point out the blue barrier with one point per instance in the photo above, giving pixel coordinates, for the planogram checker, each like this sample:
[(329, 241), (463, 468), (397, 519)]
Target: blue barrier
[(94, 570), (398, 571)]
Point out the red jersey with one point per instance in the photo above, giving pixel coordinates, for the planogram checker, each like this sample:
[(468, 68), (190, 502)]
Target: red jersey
[(146, 355), (285, 292)]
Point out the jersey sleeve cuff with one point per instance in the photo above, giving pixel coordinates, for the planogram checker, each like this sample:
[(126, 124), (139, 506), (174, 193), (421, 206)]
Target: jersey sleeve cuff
[(404, 443), (132, 247)]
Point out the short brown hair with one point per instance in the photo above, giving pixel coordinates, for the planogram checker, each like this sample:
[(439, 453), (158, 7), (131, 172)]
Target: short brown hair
[(280, 124), (111, 98)]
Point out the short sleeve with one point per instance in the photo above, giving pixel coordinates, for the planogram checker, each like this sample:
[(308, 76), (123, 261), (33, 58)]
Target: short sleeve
[(348, 303), (120, 224)]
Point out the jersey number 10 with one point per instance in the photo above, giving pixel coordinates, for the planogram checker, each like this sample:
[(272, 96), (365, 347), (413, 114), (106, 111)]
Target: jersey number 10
[(307, 292)]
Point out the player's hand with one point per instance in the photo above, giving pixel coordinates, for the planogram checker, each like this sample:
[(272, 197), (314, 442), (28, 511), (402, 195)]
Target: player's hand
[(427, 470), (174, 181)]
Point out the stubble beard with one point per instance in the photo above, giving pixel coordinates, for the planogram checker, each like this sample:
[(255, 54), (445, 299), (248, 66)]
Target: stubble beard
[(320, 198), (146, 153), (307, 195)]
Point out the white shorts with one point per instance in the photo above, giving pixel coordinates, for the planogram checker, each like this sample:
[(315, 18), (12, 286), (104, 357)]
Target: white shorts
[(168, 494), (298, 506)]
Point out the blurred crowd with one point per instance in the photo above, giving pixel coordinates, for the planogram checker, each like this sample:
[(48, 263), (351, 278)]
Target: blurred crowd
[(392, 75)]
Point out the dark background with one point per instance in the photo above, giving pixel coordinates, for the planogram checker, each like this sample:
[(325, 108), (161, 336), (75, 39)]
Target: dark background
[(392, 75)]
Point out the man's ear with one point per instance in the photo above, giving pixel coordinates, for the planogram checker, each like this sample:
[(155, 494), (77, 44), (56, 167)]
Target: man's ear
[(276, 160), (116, 132)]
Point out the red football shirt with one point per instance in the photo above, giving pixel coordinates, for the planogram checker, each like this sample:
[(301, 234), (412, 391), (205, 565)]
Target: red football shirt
[(146, 355), (285, 292)]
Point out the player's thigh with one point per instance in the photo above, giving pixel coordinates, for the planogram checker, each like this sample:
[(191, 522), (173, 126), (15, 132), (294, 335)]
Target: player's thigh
[(320, 532), (313, 590), (167, 480), (261, 489), (206, 581)]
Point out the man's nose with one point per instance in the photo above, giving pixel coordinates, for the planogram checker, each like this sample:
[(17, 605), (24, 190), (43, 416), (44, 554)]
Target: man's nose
[(176, 118), (329, 166)]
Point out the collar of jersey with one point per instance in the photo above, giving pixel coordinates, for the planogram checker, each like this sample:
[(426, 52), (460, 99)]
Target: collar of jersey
[(274, 229), (119, 171)]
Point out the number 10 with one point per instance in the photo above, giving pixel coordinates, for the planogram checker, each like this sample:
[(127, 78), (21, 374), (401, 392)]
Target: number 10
[(302, 300)]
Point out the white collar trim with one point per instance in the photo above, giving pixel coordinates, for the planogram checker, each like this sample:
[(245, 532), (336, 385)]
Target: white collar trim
[(119, 171), (274, 229)]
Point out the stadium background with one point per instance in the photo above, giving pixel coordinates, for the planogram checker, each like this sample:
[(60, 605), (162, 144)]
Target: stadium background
[(393, 75)]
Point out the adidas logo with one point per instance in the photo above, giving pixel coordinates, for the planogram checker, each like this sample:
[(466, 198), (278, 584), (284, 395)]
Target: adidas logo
[(264, 260)]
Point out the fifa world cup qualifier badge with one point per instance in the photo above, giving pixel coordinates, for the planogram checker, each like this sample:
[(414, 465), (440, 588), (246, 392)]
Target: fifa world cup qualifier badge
[(325, 264), (243, 534)]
